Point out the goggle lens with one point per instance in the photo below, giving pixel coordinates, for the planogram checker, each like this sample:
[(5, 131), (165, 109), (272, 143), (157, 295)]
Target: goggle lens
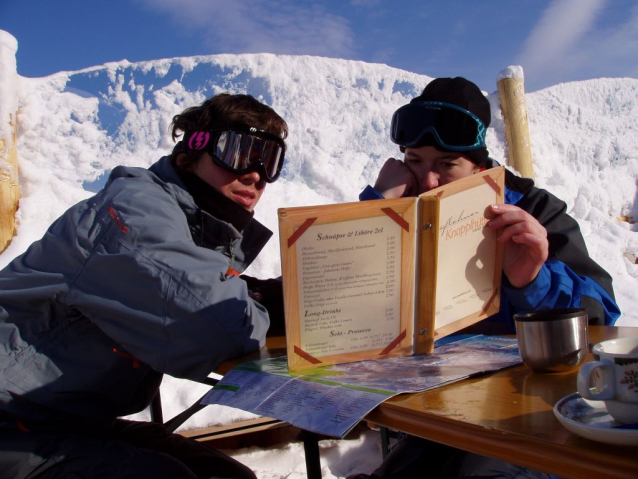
[(451, 126), (242, 151)]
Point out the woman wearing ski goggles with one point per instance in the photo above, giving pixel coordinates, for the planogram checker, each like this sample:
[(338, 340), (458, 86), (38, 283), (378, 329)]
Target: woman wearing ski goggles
[(241, 150)]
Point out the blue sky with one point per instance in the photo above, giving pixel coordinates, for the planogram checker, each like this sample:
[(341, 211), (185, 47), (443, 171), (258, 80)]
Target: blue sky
[(555, 41)]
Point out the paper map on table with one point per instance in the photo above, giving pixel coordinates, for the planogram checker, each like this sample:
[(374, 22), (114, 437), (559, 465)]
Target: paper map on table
[(331, 400)]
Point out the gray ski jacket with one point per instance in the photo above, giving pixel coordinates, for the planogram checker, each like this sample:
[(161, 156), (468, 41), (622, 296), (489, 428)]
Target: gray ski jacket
[(123, 287)]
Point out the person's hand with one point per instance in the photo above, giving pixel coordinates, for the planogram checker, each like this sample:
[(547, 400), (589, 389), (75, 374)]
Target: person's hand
[(255, 296), (396, 180), (269, 293), (526, 247)]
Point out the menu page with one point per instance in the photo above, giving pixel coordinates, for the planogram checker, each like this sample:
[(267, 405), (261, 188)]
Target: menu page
[(349, 292), (465, 254)]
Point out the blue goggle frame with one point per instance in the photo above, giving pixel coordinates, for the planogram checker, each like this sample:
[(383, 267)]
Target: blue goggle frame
[(452, 127)]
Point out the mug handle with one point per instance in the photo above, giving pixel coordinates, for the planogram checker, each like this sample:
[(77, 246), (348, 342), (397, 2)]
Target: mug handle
[(606, 373)]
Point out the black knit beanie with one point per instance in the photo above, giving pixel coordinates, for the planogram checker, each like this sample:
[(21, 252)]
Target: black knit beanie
[(467, 95)]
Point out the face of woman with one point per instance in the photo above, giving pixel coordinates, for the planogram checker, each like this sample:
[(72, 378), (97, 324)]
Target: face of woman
[(244, 189), (433, 168)]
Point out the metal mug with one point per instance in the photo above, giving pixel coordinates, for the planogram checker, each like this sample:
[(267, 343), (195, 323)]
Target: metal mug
[(552, 340)]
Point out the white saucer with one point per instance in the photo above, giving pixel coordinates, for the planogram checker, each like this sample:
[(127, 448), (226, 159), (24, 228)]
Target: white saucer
[(591, 420)]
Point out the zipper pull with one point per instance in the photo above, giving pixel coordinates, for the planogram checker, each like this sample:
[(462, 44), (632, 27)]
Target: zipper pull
[(231, 271)]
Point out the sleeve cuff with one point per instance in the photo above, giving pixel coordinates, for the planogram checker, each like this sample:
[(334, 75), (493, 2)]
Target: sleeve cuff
[(369, 193), (528, 298)]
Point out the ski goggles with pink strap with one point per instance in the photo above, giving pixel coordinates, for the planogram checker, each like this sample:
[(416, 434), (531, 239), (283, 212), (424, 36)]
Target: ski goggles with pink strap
[(241, 150)]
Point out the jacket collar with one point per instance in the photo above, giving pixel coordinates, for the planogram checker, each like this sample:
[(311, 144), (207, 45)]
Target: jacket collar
[(208, 230), (215, 203)]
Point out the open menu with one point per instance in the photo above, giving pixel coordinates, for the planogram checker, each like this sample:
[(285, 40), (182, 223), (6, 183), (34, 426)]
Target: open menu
[(386, 278)]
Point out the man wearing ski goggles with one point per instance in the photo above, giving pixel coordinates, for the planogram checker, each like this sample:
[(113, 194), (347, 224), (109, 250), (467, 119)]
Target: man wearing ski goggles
[(442, 134), (162, 291), (442, 141), (235, 159), (231, 147), (241, 150)]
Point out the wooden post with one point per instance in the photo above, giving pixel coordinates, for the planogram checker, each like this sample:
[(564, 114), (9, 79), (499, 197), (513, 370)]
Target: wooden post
[(9, 190), (511, 91), (9, 185)]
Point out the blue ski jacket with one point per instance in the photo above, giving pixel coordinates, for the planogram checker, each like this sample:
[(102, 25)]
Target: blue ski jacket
[(568, 279)]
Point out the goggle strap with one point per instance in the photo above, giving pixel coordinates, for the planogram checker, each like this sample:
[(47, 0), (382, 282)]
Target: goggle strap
[(197, 140)]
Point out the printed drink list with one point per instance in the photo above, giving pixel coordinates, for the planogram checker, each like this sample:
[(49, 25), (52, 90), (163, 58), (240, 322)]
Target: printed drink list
[(351, 278)]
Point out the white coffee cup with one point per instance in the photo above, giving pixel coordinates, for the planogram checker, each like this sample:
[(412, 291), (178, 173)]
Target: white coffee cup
[(613, 377)]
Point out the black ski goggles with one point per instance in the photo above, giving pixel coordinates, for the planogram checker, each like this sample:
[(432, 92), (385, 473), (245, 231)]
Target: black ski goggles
[(452, 127), (241, 150)]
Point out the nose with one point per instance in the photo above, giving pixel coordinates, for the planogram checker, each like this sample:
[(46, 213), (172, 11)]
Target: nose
[(253, 178), (431, 180), (250, 178)]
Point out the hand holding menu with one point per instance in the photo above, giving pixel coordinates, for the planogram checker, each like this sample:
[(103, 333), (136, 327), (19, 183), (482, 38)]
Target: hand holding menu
[(386, 278)]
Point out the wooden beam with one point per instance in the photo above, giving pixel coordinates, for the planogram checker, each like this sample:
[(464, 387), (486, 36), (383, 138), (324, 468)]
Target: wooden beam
[(511, 91), (9, 185), (9, 188)]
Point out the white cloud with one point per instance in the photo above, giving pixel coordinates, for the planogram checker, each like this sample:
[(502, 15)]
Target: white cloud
[(612, 52), (262, 26), (556, 37)]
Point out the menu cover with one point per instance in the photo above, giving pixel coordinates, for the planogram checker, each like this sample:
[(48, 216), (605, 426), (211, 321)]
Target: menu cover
[(386, 278)]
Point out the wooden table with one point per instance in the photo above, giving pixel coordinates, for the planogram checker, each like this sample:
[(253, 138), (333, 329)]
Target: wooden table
[(509, 415)]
